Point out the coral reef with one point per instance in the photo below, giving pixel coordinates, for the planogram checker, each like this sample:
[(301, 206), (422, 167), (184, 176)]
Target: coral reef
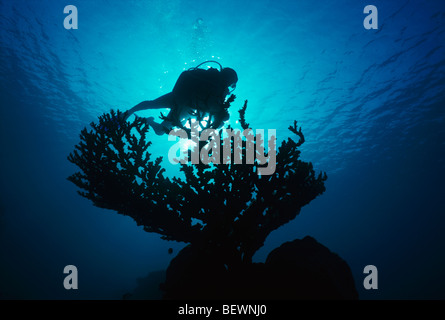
[(225, 212), (300, 269)]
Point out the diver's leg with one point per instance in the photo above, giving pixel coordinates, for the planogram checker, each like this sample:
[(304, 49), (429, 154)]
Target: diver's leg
[(165, 101)]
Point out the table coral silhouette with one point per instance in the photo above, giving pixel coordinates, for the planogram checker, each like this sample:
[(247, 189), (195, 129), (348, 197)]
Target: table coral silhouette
[(224, 211)]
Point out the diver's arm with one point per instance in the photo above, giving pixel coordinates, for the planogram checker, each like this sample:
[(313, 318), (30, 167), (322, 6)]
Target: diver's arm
[(220, 118)]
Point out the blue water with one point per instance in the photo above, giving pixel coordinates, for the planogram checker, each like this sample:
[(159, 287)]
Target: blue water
[(371, 104)]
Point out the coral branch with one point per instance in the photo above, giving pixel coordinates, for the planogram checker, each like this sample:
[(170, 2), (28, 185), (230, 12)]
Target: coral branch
[(298, 132), (242, 114)]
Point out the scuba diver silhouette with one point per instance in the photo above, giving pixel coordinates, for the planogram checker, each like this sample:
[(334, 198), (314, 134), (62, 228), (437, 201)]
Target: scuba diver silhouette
[(196, 91)]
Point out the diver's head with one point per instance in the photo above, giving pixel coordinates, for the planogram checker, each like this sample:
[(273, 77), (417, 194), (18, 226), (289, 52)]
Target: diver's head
[(230, 78)]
